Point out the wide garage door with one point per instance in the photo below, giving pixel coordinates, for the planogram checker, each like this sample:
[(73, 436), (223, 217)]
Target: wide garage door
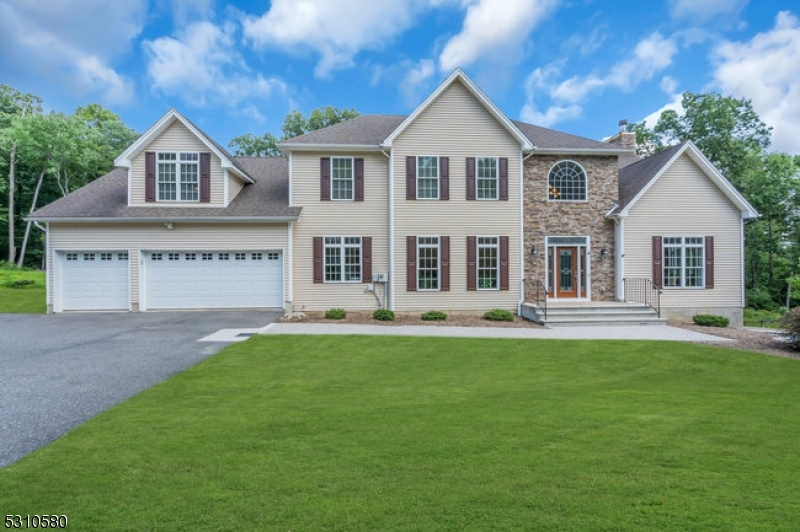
[(92, 280), (213, 279)]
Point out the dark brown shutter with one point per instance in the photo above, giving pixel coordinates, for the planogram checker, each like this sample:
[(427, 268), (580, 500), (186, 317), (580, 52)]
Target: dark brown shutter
[(444, 251), (444, 178), (325, 178), (205, 177), (359, 171), (503, 192), (411, 263), (472, 260), (503, 263), (658, 271), (470, 178), (709, 262), (366, 259), (149, 176), (318, 259), (411, 178)]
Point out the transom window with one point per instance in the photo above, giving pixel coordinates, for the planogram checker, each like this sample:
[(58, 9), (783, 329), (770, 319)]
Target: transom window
[(88, 256), (488, 263), (122, 256), (72, 256), (566, 182), (487, 177), (684, 262), (428, 263), (342, 259), (342, 178), (427, 177), (178, 176)]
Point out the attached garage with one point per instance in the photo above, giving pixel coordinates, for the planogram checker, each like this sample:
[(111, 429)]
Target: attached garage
[(91, 280), (211, 279)]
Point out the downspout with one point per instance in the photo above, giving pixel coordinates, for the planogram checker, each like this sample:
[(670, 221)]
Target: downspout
[(619, 223), (522, 229), (290, 261), (389, 287)]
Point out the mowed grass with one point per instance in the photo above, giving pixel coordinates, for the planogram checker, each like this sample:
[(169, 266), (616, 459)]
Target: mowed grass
[(29, 299), (307, 433)]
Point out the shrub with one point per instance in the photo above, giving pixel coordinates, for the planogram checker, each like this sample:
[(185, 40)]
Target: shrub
[(709, 320), (383, 314), (336, 314), (498, 314), (433, 315), (760, 298), (790, 323), (19, 283)]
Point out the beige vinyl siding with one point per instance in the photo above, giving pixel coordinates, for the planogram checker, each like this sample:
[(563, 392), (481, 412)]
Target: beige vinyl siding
[(235, 185), (456, 125), (176, 138), (684, 202), (136, 237), (338, 218)]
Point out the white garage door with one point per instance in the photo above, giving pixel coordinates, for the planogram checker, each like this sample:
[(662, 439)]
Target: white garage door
[(92, 280), (213, 279)]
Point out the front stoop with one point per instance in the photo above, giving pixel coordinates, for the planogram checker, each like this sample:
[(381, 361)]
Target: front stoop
[(592, 314)]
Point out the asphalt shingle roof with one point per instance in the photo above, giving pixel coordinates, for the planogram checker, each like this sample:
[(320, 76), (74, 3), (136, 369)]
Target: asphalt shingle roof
[(634, 177), (107, 197)]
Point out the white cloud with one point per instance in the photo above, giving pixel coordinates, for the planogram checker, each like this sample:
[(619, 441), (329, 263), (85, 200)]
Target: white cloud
[(71, 43), (185, 10), (493, 28), (766, 70), (334, 29), (202, 65), (414, 82), (703, 10), (651, 55), (669, 84)]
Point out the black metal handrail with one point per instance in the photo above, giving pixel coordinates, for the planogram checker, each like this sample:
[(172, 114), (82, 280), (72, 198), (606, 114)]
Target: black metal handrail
[(541, 296), (642, 290)]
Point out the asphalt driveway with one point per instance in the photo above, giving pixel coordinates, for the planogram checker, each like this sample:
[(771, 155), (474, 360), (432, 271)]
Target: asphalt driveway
[(58, 370)]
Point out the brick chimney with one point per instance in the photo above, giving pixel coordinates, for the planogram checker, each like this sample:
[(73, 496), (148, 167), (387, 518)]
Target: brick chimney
[(624, 139)]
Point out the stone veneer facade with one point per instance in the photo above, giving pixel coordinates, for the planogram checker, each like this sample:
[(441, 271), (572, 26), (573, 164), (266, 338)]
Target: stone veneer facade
[(544, 218)]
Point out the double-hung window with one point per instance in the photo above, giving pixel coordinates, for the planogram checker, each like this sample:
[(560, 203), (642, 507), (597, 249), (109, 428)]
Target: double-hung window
[(684, 262), (342, 178), (488, 263), (178, 176), (428, 267), (427, 177), (342, 259), (487, 178)]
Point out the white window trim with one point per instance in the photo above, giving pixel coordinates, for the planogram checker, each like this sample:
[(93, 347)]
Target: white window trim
[(177, 163), (438, 177), (496, 179), (438, 263), (478, 247), (585, 184), (352, 180), (683, 246), (342, 247)]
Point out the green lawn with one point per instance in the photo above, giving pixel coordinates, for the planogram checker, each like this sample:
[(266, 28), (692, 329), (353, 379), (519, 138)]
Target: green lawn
[(29, 299), (340, 433), (762, 318)]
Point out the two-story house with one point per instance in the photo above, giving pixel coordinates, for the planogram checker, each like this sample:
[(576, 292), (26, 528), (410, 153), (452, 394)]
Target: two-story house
[(453, 207)]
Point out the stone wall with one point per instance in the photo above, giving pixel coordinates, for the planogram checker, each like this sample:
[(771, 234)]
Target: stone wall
[(544, 218)]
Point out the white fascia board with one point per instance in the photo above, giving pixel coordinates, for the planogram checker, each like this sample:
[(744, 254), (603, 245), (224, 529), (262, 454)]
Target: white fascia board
[(125, 158), (163, 219), (583, 151), (459, 74), (284, 147)]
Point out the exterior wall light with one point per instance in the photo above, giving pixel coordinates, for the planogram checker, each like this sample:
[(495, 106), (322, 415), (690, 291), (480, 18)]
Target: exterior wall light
[(534, 253), (169, 225), (604, 254)]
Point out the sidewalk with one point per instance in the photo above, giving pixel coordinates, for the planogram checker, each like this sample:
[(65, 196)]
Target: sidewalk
[(641, 332)]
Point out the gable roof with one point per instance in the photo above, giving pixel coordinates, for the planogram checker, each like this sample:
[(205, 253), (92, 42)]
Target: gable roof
[(106, 198), (636, 179), (459, 76), (366, 132), (172, 116), (551, 141)]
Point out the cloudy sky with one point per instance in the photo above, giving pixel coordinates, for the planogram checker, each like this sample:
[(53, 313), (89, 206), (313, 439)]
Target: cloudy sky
[(237, 67)]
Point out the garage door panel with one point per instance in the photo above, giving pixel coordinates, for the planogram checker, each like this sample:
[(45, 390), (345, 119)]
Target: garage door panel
[(93, 280), (218, 279)]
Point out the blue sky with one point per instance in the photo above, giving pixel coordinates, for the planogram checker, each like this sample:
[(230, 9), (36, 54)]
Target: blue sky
[(237, 67)]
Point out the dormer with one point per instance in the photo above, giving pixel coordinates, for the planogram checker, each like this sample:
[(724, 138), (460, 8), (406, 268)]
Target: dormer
[(175, 164)]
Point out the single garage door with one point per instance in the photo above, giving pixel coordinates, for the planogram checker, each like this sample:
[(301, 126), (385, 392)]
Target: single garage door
[(92, 280), (213, 279)]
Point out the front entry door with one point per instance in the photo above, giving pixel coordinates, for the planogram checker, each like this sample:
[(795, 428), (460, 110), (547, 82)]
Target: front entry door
[(567, 272)]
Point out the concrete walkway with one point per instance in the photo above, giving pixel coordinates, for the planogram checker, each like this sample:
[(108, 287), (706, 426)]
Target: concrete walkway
[(641, 332)]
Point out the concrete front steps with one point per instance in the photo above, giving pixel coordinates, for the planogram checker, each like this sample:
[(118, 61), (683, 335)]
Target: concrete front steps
[(595, 314)]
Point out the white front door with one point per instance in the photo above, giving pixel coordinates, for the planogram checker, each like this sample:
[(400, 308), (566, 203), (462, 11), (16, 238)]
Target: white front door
[(212, 279), (91, 280)]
